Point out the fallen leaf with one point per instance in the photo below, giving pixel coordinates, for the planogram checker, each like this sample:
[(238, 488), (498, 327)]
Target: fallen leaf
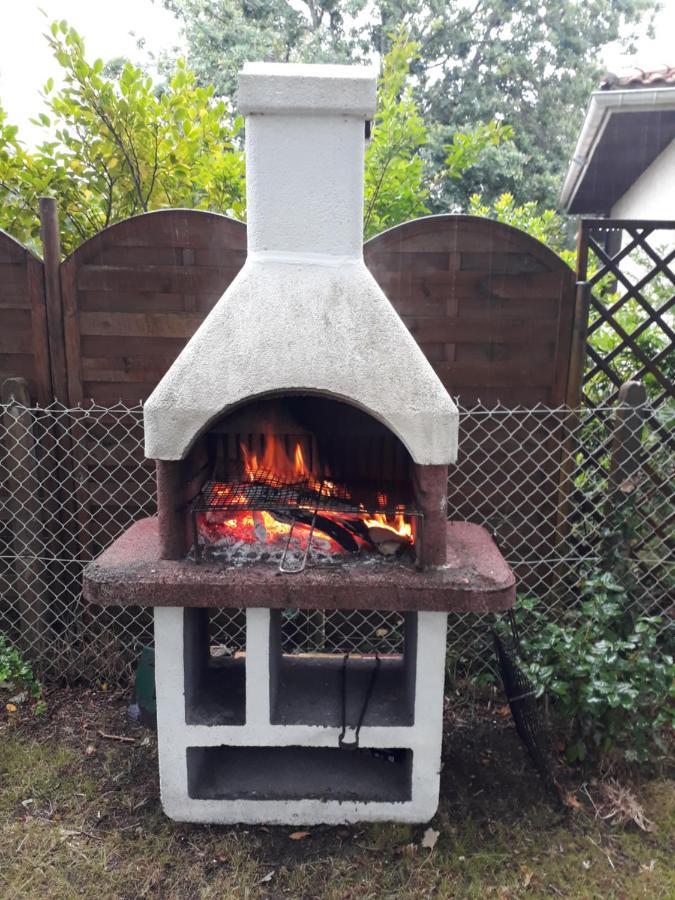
[(503, 711), (299, 835), (429, 839), (267, 878), (11, 707), (571, 801)]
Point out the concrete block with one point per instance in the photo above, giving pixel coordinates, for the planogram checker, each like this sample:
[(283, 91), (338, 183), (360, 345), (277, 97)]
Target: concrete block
[(265, 771)]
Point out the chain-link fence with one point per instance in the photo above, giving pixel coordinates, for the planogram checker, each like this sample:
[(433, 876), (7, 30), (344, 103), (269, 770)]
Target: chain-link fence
[(544, 481)]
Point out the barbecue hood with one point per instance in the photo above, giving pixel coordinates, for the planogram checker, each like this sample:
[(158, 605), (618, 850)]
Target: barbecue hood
[(304, 315)]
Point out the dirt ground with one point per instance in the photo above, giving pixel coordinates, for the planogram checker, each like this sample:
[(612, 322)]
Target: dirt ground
[(80, 817)]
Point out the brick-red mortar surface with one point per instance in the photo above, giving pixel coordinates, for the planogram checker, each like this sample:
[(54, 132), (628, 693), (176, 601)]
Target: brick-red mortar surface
[(131, 573)]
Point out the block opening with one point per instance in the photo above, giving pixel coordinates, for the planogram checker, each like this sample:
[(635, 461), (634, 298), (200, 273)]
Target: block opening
[(215, 673), (299, 773), (307, 688)]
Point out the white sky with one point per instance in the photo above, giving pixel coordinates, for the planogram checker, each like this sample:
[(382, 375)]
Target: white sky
[(110, 28), (107, 27)]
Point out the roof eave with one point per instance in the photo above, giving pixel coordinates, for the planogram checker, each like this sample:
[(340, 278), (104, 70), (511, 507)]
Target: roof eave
[(601, 106)]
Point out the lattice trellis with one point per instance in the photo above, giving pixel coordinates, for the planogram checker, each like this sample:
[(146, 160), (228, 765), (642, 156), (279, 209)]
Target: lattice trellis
[(629, 268)]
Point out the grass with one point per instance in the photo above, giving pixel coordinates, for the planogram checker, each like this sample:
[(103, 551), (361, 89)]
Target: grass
[(80, 816)]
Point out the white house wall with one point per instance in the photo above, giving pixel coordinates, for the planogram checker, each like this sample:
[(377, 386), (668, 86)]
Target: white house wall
[(652, 196)]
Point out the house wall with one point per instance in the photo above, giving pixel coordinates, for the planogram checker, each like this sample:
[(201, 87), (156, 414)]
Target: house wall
[(652, 196)]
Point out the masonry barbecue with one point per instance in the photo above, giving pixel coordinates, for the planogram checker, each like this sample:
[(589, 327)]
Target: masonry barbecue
[(302, 441)]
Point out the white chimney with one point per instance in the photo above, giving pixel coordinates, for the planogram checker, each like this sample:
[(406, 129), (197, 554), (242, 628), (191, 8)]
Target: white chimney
[(305, 140), (304, 315)]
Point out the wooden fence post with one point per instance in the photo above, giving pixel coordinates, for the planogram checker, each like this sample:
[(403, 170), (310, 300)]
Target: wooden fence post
[(26, 522), (625, 463), (568, 446), (64, 449), (51, 254)]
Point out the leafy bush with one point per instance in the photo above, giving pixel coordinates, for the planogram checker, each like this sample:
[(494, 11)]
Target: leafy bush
[(604, 671), (545, 225), (15, 671)]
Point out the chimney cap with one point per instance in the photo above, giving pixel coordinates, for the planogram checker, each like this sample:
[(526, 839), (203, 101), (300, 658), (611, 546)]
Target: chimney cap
[(303, 89)]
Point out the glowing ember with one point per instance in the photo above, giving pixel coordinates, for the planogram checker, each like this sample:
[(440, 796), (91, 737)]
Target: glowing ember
[(261, 529)]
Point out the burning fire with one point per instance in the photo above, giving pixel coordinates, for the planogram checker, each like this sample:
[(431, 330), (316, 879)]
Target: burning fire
[(276, 462), (267, 529), (398, 527)]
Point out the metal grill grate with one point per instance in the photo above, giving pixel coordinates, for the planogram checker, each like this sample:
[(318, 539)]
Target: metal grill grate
[(302, 499), (263, 490)]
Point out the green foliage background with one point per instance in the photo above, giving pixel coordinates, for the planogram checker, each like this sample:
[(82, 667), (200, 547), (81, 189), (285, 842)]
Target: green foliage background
[(529, 63)]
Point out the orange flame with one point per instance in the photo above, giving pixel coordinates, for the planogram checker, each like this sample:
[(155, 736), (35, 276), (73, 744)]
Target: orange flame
[(396, 524), (300, 467), (274, 460)]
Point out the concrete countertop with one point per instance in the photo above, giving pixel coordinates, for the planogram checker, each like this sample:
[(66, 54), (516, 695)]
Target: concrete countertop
[(130, 573)]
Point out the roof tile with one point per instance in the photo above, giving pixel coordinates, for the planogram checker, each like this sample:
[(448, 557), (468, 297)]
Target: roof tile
[(664, 77)]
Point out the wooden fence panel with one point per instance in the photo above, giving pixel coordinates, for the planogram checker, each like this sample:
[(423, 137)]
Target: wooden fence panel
[(24, 351), (493, 310), (491, 307), (134, 294)]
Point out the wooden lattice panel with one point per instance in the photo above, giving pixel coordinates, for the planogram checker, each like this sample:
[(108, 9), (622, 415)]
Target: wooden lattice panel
[(629, 268)]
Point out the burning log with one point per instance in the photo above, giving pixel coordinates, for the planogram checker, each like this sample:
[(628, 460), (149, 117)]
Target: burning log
[(331, 527), (259, 526), (389, 539)]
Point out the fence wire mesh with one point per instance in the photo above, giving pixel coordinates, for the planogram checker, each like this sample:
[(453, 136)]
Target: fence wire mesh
[(72, 480)]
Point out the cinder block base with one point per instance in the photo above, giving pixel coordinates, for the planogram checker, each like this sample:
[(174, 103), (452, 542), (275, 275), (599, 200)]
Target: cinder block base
[(254, 741)]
